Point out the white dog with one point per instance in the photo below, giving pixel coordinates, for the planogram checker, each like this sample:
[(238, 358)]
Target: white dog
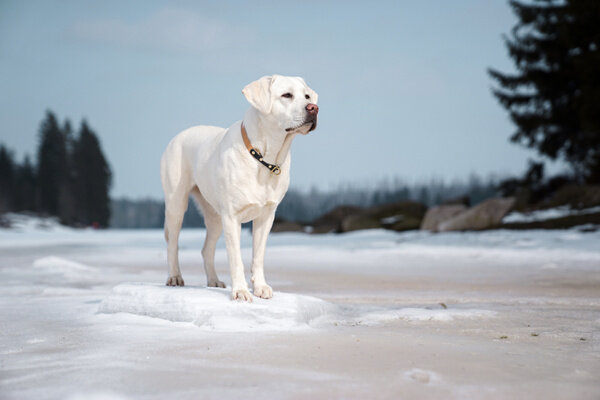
[(237, 175)]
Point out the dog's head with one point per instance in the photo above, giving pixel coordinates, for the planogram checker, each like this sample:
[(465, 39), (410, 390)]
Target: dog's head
[(286, 100)]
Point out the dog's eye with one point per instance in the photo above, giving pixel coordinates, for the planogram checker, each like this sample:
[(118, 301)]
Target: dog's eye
[(287, 95), (306, 96)]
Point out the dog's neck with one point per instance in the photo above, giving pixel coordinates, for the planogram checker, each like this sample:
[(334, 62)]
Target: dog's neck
[(267, 137)]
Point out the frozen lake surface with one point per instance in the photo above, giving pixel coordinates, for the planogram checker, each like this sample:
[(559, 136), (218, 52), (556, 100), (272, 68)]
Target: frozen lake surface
[(372, 314)]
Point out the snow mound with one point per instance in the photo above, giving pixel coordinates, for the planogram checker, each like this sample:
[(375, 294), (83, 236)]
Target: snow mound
[(212, 308), (420, 314), (66, 270), (61, 265)]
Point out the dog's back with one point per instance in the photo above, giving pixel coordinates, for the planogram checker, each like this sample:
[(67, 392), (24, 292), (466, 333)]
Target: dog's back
[(192, 145)]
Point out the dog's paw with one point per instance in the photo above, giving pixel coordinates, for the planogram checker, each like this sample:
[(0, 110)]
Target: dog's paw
[(175, 281), (263, 291), (216, 283), (241, 294)]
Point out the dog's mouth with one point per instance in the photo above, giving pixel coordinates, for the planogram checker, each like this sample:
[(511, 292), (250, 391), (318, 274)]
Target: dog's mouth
[(301, 127)]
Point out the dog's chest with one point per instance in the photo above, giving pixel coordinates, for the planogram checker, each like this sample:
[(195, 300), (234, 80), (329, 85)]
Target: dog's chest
[(252, 211), (264, 193), (261, 196)]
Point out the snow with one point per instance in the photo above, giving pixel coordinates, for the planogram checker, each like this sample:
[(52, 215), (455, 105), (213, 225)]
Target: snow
[(28, 223), (212, 309), (392, 220), (422, 376), (551, 213), (420, 314), (62, 266), (495, 314), (96, 396)]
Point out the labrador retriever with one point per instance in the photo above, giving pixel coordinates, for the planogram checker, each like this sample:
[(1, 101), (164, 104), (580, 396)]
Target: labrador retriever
[(236, 175)]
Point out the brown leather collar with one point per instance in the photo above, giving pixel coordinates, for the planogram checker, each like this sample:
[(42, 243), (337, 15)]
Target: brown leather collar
[(256, 154)]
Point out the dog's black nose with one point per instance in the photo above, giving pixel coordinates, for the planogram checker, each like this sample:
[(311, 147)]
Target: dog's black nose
[(312, 109)]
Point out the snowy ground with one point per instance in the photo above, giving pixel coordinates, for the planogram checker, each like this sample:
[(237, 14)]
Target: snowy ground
[(550, 213), (372, 314)]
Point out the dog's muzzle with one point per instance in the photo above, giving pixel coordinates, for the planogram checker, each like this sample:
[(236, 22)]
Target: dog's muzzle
[(312, 111)]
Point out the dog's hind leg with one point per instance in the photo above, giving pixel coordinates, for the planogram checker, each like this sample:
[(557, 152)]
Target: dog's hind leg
[(176, 183), (212, 220), (175, 208)]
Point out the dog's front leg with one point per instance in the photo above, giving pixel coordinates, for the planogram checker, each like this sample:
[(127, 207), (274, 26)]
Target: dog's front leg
[(232, 229), (261, 226)]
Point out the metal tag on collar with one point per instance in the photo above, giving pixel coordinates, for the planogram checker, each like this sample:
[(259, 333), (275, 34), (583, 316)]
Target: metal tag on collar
[(274, 169)]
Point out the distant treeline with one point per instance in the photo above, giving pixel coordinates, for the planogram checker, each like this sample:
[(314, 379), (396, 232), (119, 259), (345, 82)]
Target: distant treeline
[(70, 178), (307, 206), (148, 213)]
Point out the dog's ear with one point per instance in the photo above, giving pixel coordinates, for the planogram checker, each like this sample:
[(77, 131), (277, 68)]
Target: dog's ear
[(258, 93), (314, 97)]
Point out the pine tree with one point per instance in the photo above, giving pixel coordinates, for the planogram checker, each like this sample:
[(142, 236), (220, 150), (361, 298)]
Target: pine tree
[(52, 165), (7, 180), (68, 202), (92, 177), (554, 98), (25, 186)]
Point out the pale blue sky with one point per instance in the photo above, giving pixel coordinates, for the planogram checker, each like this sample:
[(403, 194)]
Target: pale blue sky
[(403, 89)]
